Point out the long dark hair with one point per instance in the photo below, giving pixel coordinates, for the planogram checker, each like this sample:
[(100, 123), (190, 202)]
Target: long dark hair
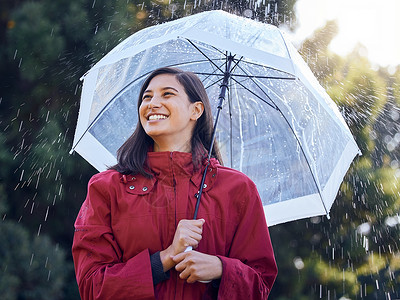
[(132, 154)]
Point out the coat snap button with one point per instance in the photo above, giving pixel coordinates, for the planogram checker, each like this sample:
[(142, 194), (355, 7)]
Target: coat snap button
[(144, 188), (131, 187), (133, 178), (204, 186)]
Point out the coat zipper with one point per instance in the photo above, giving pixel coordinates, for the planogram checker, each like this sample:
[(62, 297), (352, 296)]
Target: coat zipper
[(175, 203)]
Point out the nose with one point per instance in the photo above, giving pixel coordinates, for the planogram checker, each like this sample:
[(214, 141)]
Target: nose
[(154, 102)]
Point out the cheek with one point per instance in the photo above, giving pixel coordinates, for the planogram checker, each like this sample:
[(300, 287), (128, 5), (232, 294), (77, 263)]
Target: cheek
[(142, 111)]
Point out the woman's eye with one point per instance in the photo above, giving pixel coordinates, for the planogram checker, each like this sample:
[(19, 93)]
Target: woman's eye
[(146, 97), (168, 94)]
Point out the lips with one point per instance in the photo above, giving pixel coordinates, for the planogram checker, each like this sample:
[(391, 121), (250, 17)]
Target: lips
[(156, 117)]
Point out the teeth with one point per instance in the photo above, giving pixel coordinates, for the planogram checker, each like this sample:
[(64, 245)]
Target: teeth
[(157, 117)]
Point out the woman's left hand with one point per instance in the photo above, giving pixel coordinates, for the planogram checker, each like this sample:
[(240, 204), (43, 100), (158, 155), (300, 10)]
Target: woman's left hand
[(196, 266)]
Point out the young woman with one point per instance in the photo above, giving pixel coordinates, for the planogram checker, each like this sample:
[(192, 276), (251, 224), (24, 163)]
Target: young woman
[(136, 222)]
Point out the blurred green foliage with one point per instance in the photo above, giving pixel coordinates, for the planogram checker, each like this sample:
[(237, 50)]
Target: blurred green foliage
[(31, 268), (48, 45)]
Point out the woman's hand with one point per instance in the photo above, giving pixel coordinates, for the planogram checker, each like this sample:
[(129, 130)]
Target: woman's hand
[(188, 233), (196, 266)]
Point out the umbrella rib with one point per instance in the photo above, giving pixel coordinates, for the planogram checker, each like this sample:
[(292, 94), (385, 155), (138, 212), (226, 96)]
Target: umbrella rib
[(275, 69), (259, 97), (210, 60), (264, 77), (211, 74), (236, 64), (308, 163), (252, 79), (247, 76), (214, 83), (215, 48)]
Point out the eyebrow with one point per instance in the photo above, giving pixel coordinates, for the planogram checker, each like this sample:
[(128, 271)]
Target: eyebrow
[(163, 89)]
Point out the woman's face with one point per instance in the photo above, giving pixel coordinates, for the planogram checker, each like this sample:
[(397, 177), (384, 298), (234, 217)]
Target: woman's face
[(167, 115)]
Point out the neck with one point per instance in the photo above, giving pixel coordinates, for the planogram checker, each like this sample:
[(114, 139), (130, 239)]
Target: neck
[(180, 146)]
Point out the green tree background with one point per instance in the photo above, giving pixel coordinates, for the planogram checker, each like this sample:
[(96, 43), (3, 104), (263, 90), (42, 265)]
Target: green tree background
[(46, 46)]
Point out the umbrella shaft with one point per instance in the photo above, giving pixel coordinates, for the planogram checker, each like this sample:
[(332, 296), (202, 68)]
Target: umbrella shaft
[(221, 98)]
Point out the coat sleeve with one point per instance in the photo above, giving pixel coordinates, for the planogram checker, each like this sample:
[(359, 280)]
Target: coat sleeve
[(100, 271), (250, 269)]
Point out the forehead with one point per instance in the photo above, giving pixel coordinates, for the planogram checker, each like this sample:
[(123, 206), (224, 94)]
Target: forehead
[(164, 80)]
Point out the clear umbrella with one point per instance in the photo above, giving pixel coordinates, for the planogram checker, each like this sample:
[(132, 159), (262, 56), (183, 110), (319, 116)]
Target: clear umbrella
[(278, 124)]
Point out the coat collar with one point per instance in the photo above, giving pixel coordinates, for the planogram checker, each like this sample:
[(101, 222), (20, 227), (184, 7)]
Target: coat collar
[(178, 164), (170, 166)]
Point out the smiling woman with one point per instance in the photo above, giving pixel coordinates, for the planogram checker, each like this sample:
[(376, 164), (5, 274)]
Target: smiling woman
[(133, 230)]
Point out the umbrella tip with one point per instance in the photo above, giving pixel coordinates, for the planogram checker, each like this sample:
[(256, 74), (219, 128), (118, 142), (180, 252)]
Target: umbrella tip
[(328, 216)]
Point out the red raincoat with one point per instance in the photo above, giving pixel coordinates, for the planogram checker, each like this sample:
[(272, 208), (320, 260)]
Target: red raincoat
[(125, 219)]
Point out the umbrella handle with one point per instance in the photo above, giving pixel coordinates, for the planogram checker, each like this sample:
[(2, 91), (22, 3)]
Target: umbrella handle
[(190, 248)]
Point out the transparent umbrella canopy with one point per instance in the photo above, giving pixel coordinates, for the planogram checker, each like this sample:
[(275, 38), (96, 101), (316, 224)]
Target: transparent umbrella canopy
[(278, 125)]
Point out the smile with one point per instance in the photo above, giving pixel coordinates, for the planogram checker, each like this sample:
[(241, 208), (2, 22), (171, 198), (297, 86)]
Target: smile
[(157, 117)]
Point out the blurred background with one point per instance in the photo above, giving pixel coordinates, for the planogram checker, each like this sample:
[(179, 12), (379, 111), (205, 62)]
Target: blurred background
[(47, 45)]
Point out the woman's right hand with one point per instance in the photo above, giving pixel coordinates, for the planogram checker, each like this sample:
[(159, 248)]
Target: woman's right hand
[(188, 233)]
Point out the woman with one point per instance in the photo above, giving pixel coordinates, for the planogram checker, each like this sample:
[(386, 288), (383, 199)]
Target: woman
[(136, 222)]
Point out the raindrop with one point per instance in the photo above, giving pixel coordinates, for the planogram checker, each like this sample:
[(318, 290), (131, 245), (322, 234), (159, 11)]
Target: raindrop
[(394, 164), (37, 182), (40, 227), (392, 221), (30, 264), (364, 228), (15, 53), (394, 114), (397, 137), (315, 220), (298, 263), (47, 213)]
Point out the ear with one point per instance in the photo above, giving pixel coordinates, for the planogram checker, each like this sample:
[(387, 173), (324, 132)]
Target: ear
[(197, 110)]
